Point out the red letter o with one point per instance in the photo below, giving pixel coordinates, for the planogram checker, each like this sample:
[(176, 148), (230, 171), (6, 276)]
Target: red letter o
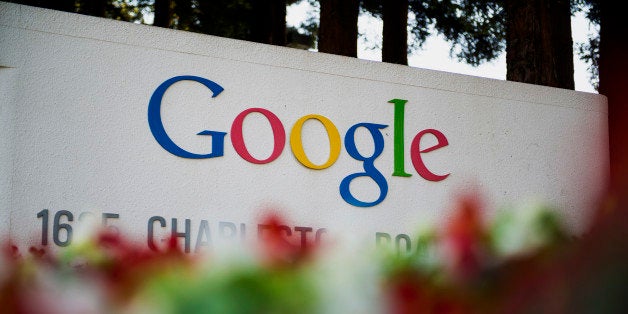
[(237, 138)]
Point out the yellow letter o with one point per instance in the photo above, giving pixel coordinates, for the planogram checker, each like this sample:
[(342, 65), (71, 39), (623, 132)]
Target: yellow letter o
[(296, 142)]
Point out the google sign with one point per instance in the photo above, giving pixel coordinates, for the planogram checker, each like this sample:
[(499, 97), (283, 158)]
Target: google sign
[(161, 133), (296, 144)]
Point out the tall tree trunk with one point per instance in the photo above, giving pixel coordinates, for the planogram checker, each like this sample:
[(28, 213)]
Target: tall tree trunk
[(338, 30), (185, 15), (539, 47), (93, 7), (62, 5), (395, 33), (561, 41), (163, 13), (206, 21), (269, 22), (613, 67)]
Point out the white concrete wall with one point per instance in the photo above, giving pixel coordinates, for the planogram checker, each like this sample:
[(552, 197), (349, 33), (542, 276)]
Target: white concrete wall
[(8, 88), (79, 136)]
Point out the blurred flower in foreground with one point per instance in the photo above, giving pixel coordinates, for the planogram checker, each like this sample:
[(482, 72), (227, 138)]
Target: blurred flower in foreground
[(520, 262), (464, 240), (278, 281), (524, 230), (482, 267), (278, 249)]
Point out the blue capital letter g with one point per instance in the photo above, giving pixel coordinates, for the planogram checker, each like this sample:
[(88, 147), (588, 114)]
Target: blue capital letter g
[(157, 127)]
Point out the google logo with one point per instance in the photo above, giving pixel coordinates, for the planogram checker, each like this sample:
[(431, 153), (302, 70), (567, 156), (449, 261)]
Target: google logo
[(279, 139)]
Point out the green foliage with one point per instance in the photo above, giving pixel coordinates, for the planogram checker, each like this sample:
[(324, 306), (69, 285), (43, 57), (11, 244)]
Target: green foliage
[(372, 7), (420, 25), (591, 7), (590, 51), (233, 19), (305, 35), (240, 289), (122, 10), (226, 18), (476, 29), (128, 10)]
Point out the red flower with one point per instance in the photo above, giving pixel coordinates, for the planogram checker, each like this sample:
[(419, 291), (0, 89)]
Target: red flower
[(463, 240), (279, 249)]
